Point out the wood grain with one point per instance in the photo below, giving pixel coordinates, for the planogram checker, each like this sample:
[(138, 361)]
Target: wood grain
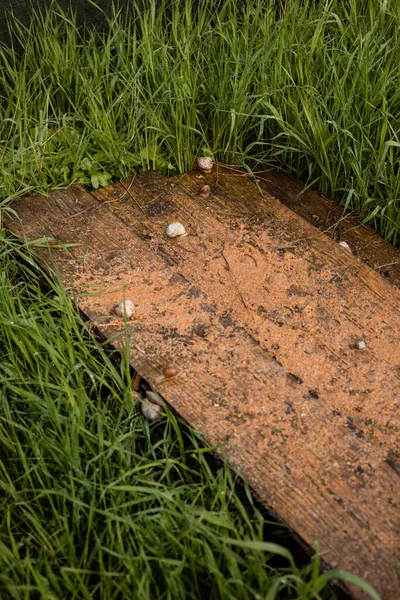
[(326, 215)]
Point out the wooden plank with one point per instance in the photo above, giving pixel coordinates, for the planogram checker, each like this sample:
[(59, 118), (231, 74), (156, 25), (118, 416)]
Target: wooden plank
[(328, 216), (261, 328)]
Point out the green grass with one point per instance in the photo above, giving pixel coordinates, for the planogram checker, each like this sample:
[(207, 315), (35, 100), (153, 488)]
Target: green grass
[(96, 502), (316, 87)]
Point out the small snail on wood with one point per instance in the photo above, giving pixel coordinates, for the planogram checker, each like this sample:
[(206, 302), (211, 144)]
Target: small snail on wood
[(205, 164), (152, 412), (359, 344), (126, 307), (170, 371), (175, 230), (346, 246), (204, 191)]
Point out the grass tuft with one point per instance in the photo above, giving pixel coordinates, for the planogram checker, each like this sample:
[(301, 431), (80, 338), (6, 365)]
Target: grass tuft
[(314, 85)]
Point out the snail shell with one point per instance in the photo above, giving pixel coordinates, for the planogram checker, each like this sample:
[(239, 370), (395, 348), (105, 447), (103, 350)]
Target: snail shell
[(170, 371), (204, 191), (152, 412), (205, 164), (359, 345), (175, 230), (154, 398), (126, 307), (345, 245)]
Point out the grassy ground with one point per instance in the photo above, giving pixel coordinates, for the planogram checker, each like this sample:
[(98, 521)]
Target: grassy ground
[(95, 502), (317, 87)]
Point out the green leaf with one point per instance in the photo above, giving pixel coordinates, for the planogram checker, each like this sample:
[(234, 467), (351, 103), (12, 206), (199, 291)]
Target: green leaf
[(86, 164), (95, 181)]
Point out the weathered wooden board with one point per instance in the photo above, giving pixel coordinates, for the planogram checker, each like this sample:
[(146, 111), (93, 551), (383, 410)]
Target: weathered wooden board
[(328, 216), (259, 311)]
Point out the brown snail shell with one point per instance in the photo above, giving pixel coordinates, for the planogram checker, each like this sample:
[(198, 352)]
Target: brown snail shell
[(204, 191), (170, 371)]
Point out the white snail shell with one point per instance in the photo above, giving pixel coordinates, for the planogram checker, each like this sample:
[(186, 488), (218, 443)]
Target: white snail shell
[(345, 245), (359, 345), (205, 164), (126, 307), (152, 412), (154, 398), (175, 230)]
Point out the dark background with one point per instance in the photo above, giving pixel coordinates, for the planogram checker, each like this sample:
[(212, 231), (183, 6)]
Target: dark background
[(86, 12)]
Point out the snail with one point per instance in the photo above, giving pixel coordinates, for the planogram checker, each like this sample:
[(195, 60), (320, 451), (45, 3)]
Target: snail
[(359, 344), (205, 164), (346, 246), (170, 371), (152, 412), (175, 230), (204, 191), (154, 398), (126, 307)]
